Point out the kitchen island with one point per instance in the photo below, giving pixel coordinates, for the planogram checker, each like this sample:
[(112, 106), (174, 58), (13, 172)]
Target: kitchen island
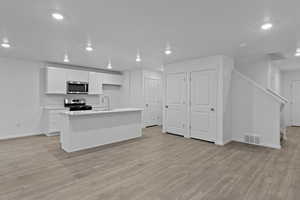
[(86, 129)]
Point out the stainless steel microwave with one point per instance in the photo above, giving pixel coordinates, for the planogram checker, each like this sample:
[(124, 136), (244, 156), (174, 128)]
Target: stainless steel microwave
[(77, 87)]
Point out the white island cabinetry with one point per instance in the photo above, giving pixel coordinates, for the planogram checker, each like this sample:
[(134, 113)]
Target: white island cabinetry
[(86, 129)]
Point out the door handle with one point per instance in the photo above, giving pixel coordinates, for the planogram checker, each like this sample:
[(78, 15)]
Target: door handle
[(212, 109)]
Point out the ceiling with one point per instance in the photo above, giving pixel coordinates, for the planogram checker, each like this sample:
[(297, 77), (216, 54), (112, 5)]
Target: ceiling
[(117, 28)]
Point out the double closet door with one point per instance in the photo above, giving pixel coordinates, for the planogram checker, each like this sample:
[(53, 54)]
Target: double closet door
[(190, 108)]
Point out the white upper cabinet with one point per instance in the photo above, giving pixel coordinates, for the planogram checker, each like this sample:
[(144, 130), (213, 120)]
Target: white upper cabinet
[(112, 79), (95, 83), (77, 75), (56, 80)]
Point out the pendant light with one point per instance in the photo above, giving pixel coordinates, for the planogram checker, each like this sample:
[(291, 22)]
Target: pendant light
[(138, 56), (168, 50), (109, 64)]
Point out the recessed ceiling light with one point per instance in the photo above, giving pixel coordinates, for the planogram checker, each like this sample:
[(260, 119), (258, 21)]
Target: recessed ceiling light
[(89, 47), (266, 26), (243, 44), (298, 50), (109, 64), (57, 16), (66, 58), (168, 49), (297, 54), (5, 45), (138, 57)]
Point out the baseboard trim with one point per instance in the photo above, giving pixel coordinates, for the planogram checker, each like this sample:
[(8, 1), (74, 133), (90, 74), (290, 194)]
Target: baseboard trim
[(226, 142), (9, 137), (222, 143), (273, 146)]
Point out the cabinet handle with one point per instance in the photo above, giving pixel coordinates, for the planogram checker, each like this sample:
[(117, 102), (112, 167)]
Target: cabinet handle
[(212, 109), (166, 106)]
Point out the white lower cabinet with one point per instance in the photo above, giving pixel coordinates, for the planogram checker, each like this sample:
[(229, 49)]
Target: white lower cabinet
[(53, 121)]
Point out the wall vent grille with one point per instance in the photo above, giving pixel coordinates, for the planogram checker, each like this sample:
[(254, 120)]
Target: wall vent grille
[(252, 139)]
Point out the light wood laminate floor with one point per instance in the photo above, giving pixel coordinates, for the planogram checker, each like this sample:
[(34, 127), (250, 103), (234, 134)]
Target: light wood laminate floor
[(155, 167)]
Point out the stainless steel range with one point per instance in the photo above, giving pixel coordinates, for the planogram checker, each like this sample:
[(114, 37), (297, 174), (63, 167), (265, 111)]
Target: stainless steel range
[(77, 104)]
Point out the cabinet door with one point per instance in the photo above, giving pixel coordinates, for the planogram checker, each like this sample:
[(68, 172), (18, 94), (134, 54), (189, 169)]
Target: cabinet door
[(112, 79), (54, 126), (77, 75), (56, 80), (95, 83)]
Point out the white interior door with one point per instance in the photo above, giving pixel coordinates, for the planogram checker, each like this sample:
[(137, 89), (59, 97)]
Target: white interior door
[(176, 93), (295, 108), (153, 104), (203, 91)]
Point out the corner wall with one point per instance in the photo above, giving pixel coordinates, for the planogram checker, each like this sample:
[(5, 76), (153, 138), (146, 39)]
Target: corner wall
[(254, 112), (228, 66)]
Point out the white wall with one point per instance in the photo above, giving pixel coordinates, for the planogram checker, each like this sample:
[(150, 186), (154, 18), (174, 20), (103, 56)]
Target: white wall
[(274, 78), (254, 112), (287, 78), (20, 98), (262, 71), (258, 71), (133, 87), (23, 97), (228, 66)]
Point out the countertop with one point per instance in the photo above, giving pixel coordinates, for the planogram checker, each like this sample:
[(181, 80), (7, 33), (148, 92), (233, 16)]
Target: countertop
[(94, 112), (58, 107)]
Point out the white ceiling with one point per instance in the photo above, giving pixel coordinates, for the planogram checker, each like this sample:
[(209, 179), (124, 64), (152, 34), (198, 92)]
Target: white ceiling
[(117, 28)]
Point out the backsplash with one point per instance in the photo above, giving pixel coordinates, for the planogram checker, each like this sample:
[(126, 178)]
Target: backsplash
[(112, 91)]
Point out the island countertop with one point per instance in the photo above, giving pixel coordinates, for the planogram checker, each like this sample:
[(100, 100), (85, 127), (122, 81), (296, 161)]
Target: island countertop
[(94, 112), (91, 128)]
